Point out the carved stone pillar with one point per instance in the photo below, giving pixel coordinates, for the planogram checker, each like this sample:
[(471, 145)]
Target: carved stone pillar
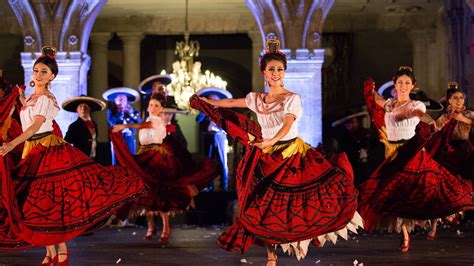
[(131, 57), (298, 25), (257, 49), (99, 80), (303, 76), (65, 25)]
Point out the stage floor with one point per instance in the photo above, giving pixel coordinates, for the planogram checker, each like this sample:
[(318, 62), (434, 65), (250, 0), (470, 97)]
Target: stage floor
[(196, 246)]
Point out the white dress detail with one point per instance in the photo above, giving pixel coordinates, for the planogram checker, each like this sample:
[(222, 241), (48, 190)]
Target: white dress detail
[(404, 129), (272, 122), (153, 135), (45, 106)]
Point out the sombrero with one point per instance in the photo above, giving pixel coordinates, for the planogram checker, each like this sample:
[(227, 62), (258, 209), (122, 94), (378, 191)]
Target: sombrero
[(347, 118), (430, 104), (111, 94), (172, 107), (71, 104), (146, 86), (386, 90), (221, 93)]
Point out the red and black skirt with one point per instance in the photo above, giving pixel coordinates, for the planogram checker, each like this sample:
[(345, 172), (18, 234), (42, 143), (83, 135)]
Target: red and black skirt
[(458, 158), (412, 185), (289, 194), (173, 176), (57, 193), (286, 200)]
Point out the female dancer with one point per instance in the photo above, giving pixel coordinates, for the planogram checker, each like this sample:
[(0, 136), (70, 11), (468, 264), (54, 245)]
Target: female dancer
[(289, 193), (409, 187), (60, 192), (172, 175), (457, 156)]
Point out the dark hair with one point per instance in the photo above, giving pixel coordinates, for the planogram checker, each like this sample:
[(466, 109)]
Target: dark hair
[(272, 54), (452, 89), (48, 59), (158, 97), (404, 70), (269, 57)]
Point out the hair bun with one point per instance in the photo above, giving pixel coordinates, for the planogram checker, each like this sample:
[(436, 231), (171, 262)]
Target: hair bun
[(453, 85), (405, 68), (272, 45), (48, 51)]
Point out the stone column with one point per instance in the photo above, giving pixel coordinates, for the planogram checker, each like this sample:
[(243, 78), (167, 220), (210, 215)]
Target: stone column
[(99, 83), (131, 58), (303, 76), (421, 61), (257, 49)]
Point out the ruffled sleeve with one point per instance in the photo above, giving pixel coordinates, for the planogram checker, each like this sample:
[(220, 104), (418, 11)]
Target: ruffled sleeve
[(470, 114), (417, 105), (250, 101), (158, 125), (293, 107), (45, 107)]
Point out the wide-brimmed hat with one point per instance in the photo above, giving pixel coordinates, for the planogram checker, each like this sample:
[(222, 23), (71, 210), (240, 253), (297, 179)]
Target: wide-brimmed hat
[(71, 104), (146, 86), (431, 105), (111, 94), (221, 93), (386, 90), (172, 107), (349, 117)]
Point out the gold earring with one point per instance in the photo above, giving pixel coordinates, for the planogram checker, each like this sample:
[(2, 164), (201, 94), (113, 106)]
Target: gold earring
[(32, 83), (463, 108)]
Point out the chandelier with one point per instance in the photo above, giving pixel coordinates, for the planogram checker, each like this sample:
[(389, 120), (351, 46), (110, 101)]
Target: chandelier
[(187, 77)]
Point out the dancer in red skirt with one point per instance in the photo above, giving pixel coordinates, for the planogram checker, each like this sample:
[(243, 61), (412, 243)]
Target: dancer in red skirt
[(166, 166), (409, 187), (56, 192), (457, 154), (290, 194)]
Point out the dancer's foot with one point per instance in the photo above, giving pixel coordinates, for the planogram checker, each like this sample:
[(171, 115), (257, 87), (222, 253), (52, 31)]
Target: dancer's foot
[(49, 261), (454, 219), (63, 258), (164, 238), (431, 235), (149, 234), (271, 261), (405, 245)]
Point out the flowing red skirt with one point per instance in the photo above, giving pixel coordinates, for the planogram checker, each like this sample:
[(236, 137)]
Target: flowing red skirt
[(458, 158), (418, 189), (59, 193), (289, 200), (168, 169), (283, 200)]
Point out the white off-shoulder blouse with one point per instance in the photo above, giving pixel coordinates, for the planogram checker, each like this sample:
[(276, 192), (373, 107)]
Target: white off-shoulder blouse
[(44, 106), (153, 135), (271, 115), (404, 129)]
